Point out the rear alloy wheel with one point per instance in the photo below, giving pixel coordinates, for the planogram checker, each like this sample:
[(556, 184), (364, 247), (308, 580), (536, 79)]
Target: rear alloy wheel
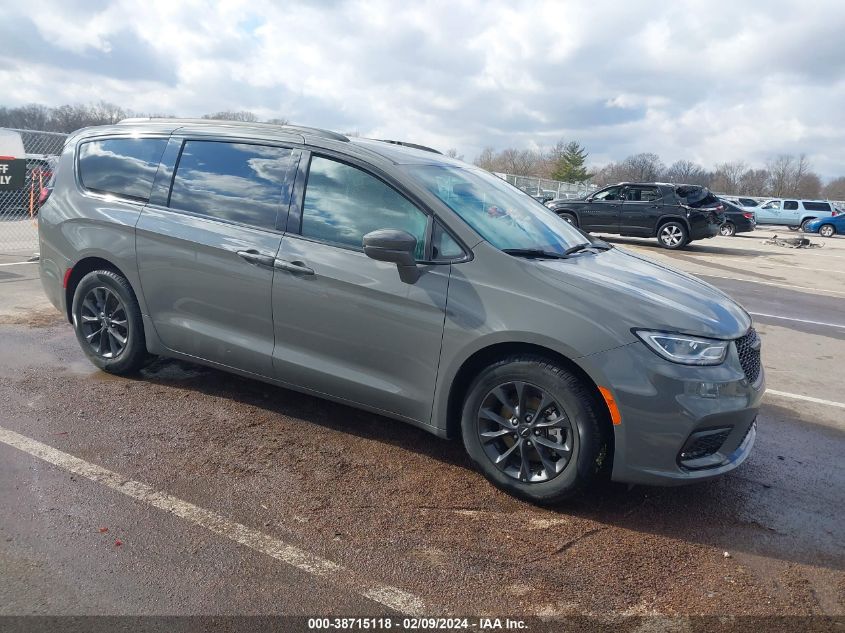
[(533, 429), (107, 321), (827, 230), (672, 235), (727, 229)]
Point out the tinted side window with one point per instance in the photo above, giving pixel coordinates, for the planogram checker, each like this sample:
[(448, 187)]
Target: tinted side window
[(343, 203), (642, 194), (613, 193), (817, 206), (233, 181), (774, 204), (122, 166), (790, 205)]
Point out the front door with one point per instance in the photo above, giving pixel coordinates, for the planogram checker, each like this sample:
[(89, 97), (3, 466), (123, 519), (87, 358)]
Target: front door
[(206, 251), (345, 324), (641, 209), (603, 210), (769, 213)]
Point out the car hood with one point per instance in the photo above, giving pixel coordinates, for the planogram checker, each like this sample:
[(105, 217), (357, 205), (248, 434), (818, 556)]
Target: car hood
[(641, 293)]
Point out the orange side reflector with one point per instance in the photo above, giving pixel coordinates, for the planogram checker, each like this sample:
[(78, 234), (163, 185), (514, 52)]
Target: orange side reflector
[(615, 416)]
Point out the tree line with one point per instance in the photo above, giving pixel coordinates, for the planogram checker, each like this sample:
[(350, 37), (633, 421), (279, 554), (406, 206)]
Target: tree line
[(782, 176)]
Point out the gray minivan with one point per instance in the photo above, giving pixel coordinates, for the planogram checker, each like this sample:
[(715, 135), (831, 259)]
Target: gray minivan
[(394, 279)]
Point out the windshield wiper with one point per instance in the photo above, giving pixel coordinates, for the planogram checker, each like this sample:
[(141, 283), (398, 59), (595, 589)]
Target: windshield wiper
[(533, 252)]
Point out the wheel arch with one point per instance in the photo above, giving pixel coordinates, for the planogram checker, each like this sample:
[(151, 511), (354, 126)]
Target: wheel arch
[(488, 355), (663, 219), (82, 268)]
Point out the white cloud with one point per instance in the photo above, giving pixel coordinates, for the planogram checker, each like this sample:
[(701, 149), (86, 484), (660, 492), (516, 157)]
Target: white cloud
[(710, 81)]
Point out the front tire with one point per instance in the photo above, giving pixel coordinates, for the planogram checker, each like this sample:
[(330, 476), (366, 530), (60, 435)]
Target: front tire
[(827, 230), (727, 229), (107, 321), (534, 429), (673, 235)]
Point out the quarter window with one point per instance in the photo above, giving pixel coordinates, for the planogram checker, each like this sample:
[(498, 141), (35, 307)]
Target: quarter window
[(238, 182), (124, 167), (817, 206), (344, 203)]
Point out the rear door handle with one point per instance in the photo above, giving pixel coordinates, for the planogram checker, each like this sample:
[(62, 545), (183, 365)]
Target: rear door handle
[(293, 267), (254, 257)]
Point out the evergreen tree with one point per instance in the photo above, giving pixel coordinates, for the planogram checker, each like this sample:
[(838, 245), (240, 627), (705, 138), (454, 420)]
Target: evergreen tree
[(570, 166)]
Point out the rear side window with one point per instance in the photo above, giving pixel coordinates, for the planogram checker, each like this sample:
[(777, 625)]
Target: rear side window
[(344, 203), (790, 205), (124, 167), (817, 206), (239, 182), (642, 194)]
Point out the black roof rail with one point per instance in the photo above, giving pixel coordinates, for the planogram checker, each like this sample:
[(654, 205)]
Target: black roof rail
[(406, 144)]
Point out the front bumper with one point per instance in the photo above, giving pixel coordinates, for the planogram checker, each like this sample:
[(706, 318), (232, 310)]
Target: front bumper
[(663, 404)]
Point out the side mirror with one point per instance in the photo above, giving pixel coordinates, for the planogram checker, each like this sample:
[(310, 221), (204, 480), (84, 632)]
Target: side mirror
[(396, 247)]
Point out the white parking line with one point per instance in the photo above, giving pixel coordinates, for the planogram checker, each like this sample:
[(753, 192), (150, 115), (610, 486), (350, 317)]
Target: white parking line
[(796, 396), (768, 283), (391, 597), (776, 316)]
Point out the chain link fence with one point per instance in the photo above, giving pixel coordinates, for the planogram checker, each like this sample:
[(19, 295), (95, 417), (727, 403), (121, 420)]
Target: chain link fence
[(20, 197), (546, 188)]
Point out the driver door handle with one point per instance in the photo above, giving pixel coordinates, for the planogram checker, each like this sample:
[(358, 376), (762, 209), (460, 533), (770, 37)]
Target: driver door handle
[(293, 267), (254, 257)]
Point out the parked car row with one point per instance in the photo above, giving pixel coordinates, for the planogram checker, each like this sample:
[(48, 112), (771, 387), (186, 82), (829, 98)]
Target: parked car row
[(678, 214)]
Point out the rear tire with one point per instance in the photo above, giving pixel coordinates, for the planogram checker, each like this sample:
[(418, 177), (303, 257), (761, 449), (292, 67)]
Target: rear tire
[(569, 218), (673, 235), (727, 229), (549, 436), (107, 321), (827, 230)]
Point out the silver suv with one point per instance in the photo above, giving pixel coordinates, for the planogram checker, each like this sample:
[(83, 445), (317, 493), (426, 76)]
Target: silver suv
[(394, 279)]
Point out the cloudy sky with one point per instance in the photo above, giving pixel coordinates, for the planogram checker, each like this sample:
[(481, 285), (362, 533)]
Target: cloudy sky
[(707, 80)]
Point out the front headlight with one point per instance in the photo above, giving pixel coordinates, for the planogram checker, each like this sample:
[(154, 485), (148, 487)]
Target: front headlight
[(685, 349)]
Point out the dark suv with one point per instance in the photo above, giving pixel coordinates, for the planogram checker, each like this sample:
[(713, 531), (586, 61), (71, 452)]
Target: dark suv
[(674, 214)]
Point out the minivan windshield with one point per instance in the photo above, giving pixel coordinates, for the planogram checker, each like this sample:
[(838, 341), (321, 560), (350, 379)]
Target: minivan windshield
[(503, 215)]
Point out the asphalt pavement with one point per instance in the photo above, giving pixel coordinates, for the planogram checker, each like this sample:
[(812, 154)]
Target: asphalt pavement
[(187, 490)]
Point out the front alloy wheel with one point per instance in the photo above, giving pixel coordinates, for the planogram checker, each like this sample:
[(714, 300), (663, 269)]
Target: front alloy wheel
[(727, 229), (524, 432), (827, 230)]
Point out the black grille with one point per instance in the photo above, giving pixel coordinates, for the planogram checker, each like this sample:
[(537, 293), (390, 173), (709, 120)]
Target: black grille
[(748, 348), (704, 444)]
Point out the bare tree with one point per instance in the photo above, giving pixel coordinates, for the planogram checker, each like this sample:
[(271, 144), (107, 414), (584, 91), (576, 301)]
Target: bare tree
[(644, 167), (278, 121), (232, 115), (486, 159), (835, 189), (453, 153), (726, 177), (809, 186), (687, 172), (755, 182)]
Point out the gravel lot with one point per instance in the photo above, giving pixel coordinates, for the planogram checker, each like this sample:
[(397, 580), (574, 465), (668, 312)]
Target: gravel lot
[(393, 505)]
